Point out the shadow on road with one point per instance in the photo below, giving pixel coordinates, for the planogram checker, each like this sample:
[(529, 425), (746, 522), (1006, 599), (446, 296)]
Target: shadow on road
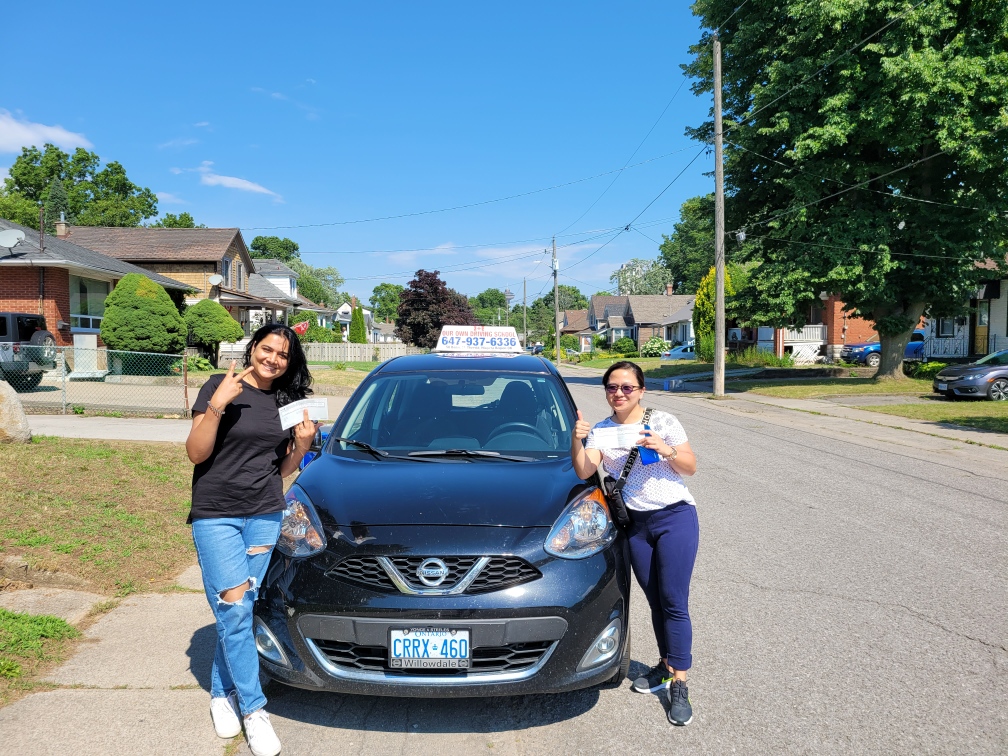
[(201, 653)]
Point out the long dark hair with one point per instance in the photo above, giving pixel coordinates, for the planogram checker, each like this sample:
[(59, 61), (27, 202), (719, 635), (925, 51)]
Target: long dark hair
[(624, 365), (296, 381)]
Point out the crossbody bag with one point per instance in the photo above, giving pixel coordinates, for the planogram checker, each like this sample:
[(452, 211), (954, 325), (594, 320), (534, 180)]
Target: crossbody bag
[(613, 487)]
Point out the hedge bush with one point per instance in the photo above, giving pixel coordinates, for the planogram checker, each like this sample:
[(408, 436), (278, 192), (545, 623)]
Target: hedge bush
[(210, 324), (624, 345), (653, 347), (141, 317), (923, 370)]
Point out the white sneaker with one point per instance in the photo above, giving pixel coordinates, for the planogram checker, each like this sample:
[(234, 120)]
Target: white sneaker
[(262, 741), (224, 713)]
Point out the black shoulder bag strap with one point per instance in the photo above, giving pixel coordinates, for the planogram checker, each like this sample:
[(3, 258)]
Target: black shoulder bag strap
[(631, 457)]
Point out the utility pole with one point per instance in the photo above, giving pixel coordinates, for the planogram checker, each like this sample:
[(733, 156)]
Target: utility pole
[(719, 266), (525, 311), (556, 309)]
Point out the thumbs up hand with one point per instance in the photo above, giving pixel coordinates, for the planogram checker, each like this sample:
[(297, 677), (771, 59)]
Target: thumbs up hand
[(582, 427)]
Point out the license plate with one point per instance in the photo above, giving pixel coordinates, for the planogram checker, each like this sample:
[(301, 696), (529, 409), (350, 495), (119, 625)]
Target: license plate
[(429, 648), (943, 387)]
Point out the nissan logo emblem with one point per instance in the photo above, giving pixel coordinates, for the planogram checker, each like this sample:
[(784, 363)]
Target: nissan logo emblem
[(432, 572)]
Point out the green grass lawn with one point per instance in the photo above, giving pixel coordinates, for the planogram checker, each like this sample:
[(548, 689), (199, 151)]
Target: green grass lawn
[(110, 512), (982, 415), (819, 387), (29, 643)]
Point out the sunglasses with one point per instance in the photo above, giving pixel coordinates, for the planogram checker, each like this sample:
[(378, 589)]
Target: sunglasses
[(612, 388)]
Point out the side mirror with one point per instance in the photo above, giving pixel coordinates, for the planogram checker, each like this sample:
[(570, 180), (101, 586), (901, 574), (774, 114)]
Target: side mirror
[(320, 438)]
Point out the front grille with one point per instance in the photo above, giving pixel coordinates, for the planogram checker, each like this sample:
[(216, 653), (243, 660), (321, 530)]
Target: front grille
[(510, 658), (500, 572)]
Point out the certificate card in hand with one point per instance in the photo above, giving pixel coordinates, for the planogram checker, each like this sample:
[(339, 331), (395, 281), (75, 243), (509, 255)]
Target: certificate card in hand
[(293, 413), (618, 437)]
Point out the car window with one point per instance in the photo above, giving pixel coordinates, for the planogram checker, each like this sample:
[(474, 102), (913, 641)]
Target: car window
[(3, 325), (509, 413), (28, 324), (917, 337), (998, 359)]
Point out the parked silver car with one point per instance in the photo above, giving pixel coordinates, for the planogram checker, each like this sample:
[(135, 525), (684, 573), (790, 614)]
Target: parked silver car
[(987, 377), (27, 349)]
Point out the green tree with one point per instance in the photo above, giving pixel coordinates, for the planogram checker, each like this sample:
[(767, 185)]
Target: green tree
[(57, 204), (315, 334), (385, 301), (209, 324), (182, 220), (641, 277), (320, 285), (875, 171), (95, 196), (427, 305), (274, 248), (141, 317), (488, 306), (358, 330), (704, 304), (19, 209), (688, 253)]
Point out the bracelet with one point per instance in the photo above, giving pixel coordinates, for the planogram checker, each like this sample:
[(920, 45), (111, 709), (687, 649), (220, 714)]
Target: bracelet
[(214, 410), (673, 455)]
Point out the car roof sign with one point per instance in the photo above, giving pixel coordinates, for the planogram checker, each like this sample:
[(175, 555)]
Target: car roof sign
[(473, 340)]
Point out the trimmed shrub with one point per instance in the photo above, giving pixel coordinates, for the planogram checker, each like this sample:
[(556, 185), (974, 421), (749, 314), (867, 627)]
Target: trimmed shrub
[(624, 345), (653, 347), (358, 331), (210, 324), (141, 317), (705, 347)]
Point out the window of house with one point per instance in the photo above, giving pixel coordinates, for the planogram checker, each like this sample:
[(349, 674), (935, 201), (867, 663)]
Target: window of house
[(87, 303), (293, 287), (946, 328), (241, 277), (226, 272)]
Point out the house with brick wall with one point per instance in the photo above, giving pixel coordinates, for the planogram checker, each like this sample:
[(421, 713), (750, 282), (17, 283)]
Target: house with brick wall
[(66, 283)]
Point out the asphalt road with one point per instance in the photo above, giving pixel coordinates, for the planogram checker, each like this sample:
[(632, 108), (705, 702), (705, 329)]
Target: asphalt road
[(849, 597)]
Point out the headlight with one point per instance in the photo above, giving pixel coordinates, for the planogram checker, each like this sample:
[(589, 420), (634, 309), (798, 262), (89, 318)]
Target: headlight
[(583, 529), (301, 533)]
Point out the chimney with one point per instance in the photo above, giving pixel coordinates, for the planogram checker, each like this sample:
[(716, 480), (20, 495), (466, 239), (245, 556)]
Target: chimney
[(62, 227), (668, 290)]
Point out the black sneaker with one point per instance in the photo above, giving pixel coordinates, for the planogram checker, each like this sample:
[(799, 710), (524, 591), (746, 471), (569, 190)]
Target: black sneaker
[(657, 678), (680, 711)]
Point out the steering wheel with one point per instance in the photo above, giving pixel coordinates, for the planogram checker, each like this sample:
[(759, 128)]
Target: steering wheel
[(513, 427)]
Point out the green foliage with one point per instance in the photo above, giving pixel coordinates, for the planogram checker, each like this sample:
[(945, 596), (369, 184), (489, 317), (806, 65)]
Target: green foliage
[(385, 298), (753, 357), (689, 252), (488, 305), (918, 111), (641, 277), (182, 220), (427, 305), (339, 366), (22, 637), (705, 346), (358, 330), (94, 197), (624, 345), (569, 341), (19, 209), (320, 285), (141, 317), (210, 324), (704, 305), (540, 312), (274, 248), (924, 370), (599, 342), (653, 347), (315, 334), (57, 203)]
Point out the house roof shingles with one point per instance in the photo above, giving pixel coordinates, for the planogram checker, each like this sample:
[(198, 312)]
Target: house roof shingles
[(577, 320), (261, 288), (269, 266), (158, 244), (655, 308), (598, 305), (62, 253)]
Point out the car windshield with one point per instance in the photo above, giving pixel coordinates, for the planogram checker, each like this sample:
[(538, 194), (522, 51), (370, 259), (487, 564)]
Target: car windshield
[(508, 413), (998, 359)]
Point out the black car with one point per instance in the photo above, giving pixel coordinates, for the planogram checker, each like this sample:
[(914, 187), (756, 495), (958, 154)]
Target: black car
[(27, 349), (442, 545), (985, 378)]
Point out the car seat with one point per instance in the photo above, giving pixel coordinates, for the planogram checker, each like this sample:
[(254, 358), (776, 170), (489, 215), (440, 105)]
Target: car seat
[(518, 404)]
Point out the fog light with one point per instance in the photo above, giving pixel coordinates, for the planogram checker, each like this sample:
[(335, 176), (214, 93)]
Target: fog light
[(603, 648), (268, 646)]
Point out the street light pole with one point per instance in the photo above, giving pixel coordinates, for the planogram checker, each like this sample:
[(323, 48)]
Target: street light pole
[(719, 251)]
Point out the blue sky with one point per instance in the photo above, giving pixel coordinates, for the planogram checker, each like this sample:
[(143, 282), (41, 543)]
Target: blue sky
[(296, 115)]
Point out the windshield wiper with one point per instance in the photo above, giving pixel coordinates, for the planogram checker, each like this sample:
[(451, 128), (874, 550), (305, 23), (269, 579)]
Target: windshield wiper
[(380, 453), (481, 453)]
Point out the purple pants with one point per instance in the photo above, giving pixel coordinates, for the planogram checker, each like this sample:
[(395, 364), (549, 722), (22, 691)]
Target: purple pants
[(663, 548)]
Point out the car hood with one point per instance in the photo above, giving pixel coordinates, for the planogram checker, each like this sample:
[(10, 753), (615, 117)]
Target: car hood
[(358, 489), (972, 368), (863, 345)]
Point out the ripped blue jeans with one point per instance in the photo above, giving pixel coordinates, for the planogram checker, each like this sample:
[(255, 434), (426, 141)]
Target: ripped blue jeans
[(233, 551)]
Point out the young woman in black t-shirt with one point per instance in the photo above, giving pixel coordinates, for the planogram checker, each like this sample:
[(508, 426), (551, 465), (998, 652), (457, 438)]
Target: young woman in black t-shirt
[(241, 456)]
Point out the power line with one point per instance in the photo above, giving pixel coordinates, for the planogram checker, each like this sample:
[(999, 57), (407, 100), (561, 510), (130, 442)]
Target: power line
[(469, 204), (721, 25)]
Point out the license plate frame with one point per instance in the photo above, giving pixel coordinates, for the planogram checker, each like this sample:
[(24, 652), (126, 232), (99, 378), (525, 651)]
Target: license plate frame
[(943, 387), (425, 639)]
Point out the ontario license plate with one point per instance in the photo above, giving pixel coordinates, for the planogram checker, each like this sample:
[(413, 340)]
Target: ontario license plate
[(429, 648), (943, 387)]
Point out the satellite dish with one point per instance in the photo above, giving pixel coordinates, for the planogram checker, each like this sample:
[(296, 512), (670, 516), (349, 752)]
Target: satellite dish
[(11, 237), (216, 279)]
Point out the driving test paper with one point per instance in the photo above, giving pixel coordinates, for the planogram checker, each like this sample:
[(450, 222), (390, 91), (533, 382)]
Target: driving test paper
[(293, 413), (618, 437)]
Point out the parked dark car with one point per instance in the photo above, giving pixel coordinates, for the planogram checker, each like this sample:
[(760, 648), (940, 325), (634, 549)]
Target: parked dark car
[(440, 544), (27, 349), (870, 352), (987, 377)]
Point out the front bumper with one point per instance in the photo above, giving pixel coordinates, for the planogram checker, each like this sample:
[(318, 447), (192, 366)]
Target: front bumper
[(966, 387), (527, 638)]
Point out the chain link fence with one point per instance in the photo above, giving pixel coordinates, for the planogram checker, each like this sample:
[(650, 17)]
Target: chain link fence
[(103, 382)]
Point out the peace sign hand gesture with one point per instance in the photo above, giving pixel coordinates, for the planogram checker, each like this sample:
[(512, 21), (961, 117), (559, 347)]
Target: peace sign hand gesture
[(230, 388)]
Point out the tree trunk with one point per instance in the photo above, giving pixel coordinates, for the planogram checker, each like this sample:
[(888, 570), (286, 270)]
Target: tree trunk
[(893, 346)]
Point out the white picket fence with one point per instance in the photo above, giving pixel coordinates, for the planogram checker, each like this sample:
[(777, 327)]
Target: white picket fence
[(347, 352)]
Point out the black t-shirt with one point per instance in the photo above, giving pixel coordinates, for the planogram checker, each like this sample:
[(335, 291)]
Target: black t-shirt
[(241, 477)]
